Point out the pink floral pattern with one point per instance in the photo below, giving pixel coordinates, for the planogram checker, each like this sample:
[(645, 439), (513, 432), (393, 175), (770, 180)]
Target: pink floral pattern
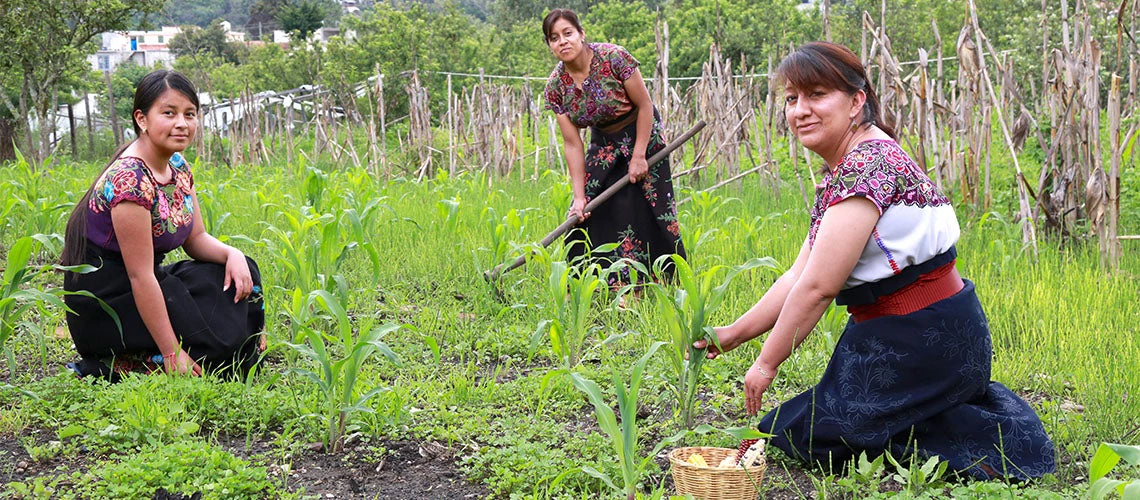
[(880, 171), (602, 97), (128, 179)]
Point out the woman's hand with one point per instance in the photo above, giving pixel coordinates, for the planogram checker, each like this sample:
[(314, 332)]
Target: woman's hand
[(756, 382), (638, 168), (576, 208), (237, 274), (181, 363), (724, 336)]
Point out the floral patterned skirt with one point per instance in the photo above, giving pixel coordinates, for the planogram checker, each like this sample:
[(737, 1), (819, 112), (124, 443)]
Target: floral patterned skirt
[(916, 384), (218, 333), (642, 217)]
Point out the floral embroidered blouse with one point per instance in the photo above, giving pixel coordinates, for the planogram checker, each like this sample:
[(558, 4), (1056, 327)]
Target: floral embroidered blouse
[(916, 221), (602, 98), (128, 179)]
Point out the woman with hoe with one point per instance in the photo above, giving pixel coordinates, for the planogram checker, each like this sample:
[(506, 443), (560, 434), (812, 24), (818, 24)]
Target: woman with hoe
[(911, 373), (194, 315), (598, 85)]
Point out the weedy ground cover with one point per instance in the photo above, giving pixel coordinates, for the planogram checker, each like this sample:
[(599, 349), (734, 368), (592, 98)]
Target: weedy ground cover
[(411, 255)]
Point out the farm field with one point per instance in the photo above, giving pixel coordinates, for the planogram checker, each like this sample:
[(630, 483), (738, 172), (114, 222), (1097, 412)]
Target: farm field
[(395, 370)]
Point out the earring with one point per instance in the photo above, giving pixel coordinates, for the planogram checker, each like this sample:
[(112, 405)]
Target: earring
[(144, 130), (854, 124)]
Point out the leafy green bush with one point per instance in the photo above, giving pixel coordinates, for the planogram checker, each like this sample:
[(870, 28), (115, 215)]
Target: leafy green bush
[(186, 468)]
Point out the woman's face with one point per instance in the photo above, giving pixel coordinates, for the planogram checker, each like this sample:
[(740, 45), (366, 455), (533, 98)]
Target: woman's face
[(821, 117), (171, 122), (565, 40)]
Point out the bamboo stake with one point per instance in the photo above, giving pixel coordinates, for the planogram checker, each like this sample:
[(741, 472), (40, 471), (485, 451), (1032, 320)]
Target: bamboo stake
[(727, 181), (1111, 245), (450, 130), (1028, 232)]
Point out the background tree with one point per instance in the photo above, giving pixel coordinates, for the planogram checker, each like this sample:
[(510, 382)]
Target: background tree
[(211, 41), (629, 24), (123, 82), (202, 12), (301, 18), (507, 13), (45, 43), (263, 17), (8, 121)]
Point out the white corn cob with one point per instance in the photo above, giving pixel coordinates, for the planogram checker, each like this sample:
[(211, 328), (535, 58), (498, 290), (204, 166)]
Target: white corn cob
[(753, 454)]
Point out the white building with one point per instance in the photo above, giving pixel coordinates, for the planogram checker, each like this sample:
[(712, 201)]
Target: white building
[(144, 48)]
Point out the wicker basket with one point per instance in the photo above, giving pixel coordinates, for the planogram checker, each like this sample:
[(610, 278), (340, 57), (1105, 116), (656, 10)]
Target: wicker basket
[(712, 483)]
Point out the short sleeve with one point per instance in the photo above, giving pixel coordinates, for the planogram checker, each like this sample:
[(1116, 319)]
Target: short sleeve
[(126, 181), (865, 174), (623, 63)]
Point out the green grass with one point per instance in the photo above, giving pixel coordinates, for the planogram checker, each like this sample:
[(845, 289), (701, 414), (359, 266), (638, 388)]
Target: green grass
[(1065, 331)]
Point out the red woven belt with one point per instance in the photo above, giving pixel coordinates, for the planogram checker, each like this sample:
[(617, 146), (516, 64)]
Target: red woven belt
[(929, 288)]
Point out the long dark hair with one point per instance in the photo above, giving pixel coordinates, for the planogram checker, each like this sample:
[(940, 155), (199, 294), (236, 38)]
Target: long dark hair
[(553, 17), (148, 91), (832, 66)]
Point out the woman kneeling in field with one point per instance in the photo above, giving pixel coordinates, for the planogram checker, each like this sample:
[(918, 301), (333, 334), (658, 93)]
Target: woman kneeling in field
[(911, 372), (195, 314)]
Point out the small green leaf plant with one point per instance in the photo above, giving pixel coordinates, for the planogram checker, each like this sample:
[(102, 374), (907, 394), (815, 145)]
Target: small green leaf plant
[(1107, 456), (917, 479)]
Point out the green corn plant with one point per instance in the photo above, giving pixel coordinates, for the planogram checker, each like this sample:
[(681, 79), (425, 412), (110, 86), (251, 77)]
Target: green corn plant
[(705, 205), (624, 437), (311, 250), (500, 232), (17, 296), (214, 212), (336, 375), (357, 223), (299, 312), (1107, 456), (314, 186), (43, 214), (570, 292), (685, 312), (447, 212)]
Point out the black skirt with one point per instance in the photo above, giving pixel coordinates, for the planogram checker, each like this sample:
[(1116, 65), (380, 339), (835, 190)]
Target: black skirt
[(217, 333), (641, 218)]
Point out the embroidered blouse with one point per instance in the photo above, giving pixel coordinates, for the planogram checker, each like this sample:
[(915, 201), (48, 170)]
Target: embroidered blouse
[(128, 179), (916, 221), (602, 98)]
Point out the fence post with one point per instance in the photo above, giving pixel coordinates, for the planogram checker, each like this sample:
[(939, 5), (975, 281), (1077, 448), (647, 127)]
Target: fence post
[(118, 133), (71, 128), (450, 130), (1110, 243), (90, 129)]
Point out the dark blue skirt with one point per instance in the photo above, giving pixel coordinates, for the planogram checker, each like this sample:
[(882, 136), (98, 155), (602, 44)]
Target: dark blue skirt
[(916, 384)]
